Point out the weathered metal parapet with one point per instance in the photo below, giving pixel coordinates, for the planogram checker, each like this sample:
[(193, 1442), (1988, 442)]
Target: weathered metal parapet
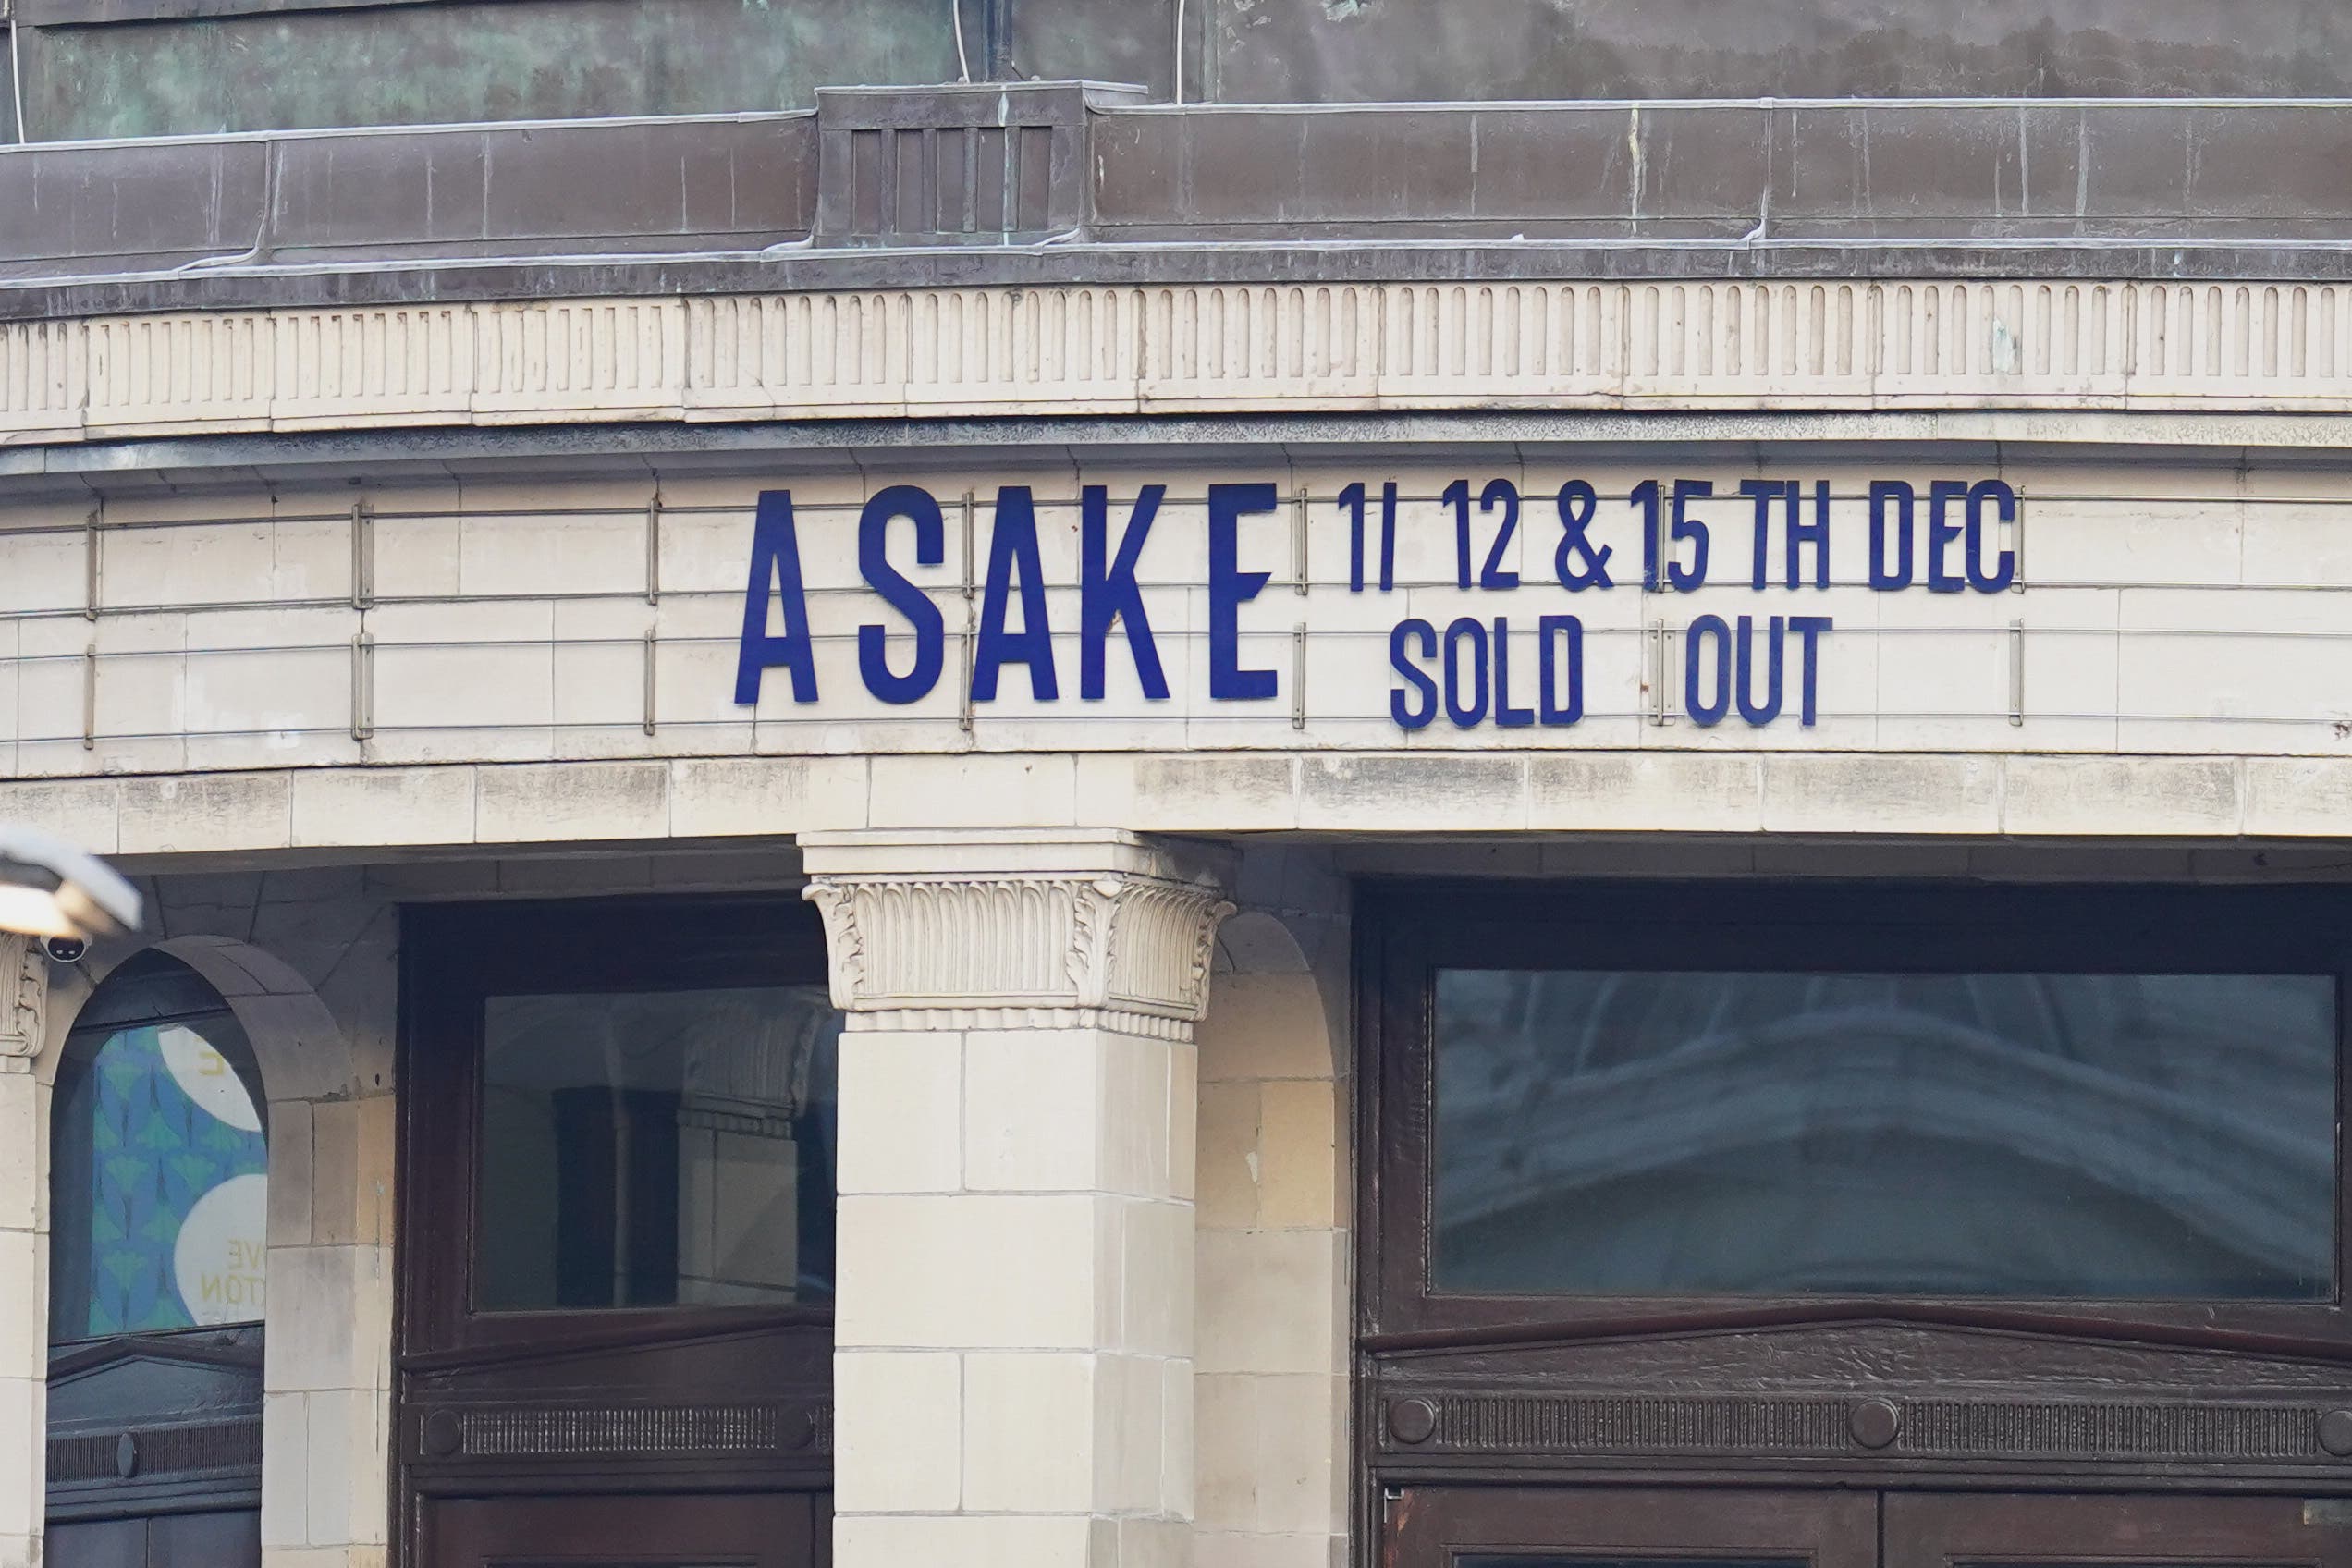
[(961, 164)]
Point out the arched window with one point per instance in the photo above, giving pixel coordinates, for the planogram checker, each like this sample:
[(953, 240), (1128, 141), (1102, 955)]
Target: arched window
[(158, 1206)]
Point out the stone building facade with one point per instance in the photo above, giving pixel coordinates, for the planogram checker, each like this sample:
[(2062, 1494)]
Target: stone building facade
[(1057, 621)]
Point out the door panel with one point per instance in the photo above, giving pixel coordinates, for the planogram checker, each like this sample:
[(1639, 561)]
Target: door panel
[(1950, 1530), (1602, 1528), (674, 1531), (1662, 1527)]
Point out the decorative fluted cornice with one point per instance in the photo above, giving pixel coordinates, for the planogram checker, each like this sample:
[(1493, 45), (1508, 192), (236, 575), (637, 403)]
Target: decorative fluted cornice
[(2046, 343), (1124, 944)]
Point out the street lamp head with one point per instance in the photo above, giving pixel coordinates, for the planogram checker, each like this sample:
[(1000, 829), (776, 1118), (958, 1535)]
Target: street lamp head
[(50, 889)]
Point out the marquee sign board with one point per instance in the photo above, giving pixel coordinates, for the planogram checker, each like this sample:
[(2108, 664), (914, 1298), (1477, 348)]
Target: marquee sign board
[(1470, 603)]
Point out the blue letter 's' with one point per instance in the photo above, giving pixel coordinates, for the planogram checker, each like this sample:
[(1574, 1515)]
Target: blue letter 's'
[(1013, 543), (776, 562), (1229, 588), (1108, 594), (1423, 638), (873, 563)]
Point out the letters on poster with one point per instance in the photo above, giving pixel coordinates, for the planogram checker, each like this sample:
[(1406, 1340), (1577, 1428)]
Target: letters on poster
[(1520, 666)]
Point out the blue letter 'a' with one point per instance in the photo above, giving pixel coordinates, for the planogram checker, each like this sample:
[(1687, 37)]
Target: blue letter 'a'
[(776, 564), (1013, 543)]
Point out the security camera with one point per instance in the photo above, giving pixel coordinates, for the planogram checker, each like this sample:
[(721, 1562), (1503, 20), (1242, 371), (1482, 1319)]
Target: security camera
[(64, 950)]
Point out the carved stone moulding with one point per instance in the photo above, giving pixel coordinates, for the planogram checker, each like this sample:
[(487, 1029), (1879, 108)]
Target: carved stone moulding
[(713, 1431), (1735, 1426), (24, 1000), (1069, 929)]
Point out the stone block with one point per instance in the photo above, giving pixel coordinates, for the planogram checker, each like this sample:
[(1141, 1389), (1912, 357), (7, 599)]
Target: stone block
[(2295, 797), (224, 812), (1271, 1461), (972, 791), (1848, 794), (330, 1318), (23, 1459), (23, 1132), (761, 796), (24, 1304), (1005, 1540), (1268, 1301), (1200, 792), (1620, 791), (970, 1271), (383, 806), (1298, 1154), (286, 1470), (1227, 1154), (898, 1431), (902, 1112), (1263, 1027), (82, 811), (290, 1181), (1033, 1116), (352, 1173), (1030, 1435), (568, 802), (1413, 793), (2094, 797), (1155, 1277), (1131, 1432)]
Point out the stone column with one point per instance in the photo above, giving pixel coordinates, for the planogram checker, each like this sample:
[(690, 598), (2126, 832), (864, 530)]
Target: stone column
[(1013, 1365), (24, 1251)]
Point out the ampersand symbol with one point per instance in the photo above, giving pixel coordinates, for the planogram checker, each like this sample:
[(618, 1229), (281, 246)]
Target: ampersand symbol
[(1577, 563)]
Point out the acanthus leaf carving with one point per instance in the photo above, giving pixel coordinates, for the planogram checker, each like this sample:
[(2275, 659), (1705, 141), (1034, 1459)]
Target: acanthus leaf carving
[(23, 1017), (1054, 949)]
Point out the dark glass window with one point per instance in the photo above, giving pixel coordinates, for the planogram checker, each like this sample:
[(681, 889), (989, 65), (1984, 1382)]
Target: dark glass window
[(2059, 1136), (159, 1162), (657, 1149)]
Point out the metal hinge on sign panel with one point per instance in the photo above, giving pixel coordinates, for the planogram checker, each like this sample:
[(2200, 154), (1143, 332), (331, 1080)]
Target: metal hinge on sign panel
[(1298, 676), (2017, 673), (650, 666), (91, 567), (363, 687), (1298, 543), (653, 557), (1661, 659), (971, 622), (362, 555)]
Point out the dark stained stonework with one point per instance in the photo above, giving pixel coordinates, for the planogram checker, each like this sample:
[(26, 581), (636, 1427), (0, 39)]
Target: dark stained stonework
[(1072, 182), (198, 66)]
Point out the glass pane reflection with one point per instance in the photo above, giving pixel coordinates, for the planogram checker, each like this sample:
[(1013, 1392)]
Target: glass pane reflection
[(2030, 1135), (657, 1149)]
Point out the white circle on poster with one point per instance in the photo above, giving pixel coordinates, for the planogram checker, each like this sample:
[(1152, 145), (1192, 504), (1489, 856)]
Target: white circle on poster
[(218, 1259), (207, 1078)]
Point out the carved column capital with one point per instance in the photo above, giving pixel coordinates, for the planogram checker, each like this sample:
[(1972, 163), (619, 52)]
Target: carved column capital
[(1016, 930), (24, 1001)]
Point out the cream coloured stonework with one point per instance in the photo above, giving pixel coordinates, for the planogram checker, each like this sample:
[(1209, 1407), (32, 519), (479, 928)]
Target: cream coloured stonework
[(1194, 348), (24, 1249), (277, 947), (1275, 1225), (2183, 607), (1014, 1326)]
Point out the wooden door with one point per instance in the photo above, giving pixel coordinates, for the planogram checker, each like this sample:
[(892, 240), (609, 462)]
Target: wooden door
[(2059, 1530), (670, 1531), (1619, 1527)]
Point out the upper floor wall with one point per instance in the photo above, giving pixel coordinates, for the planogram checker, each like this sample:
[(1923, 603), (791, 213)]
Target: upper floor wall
[(206, 66)]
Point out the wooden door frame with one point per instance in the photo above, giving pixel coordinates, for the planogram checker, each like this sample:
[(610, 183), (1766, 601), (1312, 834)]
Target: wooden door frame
[(643, 1400), (1851, 1392)]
